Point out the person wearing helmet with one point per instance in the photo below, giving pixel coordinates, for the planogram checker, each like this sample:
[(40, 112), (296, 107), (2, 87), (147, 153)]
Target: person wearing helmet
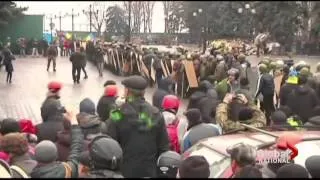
[(230, 84), (170, 107), (242, 155), (108, 100), (221, 69), (51, 113), (104, 158), (168, 164), (265, 87), (140, 130)]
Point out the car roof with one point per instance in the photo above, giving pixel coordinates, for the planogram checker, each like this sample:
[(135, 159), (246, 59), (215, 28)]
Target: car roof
[(221, 143)]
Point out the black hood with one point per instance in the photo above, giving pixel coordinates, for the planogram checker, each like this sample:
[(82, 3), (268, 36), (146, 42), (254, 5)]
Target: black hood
[(205, 86), (166, 84), (132, 110), (197, 95)]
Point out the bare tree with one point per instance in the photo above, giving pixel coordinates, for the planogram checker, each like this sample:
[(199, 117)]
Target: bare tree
[(149, 14), (98, 16)]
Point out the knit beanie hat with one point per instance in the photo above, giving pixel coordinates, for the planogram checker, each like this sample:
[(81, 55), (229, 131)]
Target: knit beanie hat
[(279, 117), (292, 171), (9, 125), (46, 152), (194, 167), (87, 106), (312, 165), (245, 113)]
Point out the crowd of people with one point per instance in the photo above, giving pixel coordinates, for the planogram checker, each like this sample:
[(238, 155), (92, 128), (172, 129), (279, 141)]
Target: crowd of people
[(126, 136)]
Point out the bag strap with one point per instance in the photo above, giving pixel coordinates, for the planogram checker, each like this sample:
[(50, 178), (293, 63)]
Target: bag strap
[(68, 170), (20, 171)]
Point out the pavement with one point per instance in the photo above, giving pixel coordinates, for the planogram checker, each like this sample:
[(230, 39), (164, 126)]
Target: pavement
[(23, 98)]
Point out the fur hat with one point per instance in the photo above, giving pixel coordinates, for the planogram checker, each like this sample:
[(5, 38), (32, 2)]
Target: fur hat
[(15, 143)]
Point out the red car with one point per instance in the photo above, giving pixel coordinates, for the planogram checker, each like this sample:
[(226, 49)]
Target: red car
[(214, 149)]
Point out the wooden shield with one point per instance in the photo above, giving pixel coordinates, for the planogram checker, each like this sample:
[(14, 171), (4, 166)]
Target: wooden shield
[(153, 72), (164, 69), (191, 74), (144, 68)]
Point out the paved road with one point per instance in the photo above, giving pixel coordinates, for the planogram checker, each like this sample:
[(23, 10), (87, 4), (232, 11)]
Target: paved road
[(23, 98)]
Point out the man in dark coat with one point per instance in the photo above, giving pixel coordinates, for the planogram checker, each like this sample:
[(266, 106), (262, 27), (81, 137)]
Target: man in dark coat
[(77, 60), (165, 87), (140, 130), (107, 101), (303, 100), (206, 100), (51, 113)]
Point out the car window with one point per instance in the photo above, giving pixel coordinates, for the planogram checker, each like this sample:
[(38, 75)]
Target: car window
[(218, 163)]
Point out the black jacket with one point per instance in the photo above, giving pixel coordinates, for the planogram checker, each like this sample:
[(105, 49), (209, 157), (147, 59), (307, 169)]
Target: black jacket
[(105, 104), (302, 102), (56, 169), (52, 118), (78, 59), (142, 141), (102, 174), (165, 88), (265, 85), (206, 101), (285, 90)]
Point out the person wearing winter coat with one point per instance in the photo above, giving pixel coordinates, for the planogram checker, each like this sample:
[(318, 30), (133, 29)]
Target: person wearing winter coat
[(140, 130), (286, 89), (89, 122), (105, 156), (165, 87), (77, 59), (230, 84), (303, 100), (7, 62), (266, 88), (46, 154), (197, 130), (227, 115), (170, 107), (107, 102), (52, 53), (52, 114), (206, 100), (16, 144)]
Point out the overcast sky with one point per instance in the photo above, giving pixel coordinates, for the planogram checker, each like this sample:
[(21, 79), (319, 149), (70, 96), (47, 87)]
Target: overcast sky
[(81, 22)]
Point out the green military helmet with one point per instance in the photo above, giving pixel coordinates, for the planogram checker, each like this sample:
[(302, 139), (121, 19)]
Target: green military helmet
[(279, 64), (188, 57), (305, 71), (318, 67), (263, 68), (272, 65), (241, 57)]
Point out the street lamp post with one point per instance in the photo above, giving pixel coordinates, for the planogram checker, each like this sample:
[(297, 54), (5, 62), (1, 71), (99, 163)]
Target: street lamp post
[(72, 23), (204, 29), (90, 16), (248, 9), (60, 18)]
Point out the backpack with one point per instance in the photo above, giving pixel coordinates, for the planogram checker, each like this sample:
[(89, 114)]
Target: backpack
[(172, 130), (19, 171)]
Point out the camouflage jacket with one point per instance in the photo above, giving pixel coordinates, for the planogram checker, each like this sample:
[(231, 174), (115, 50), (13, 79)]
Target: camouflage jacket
[(222, 118)]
